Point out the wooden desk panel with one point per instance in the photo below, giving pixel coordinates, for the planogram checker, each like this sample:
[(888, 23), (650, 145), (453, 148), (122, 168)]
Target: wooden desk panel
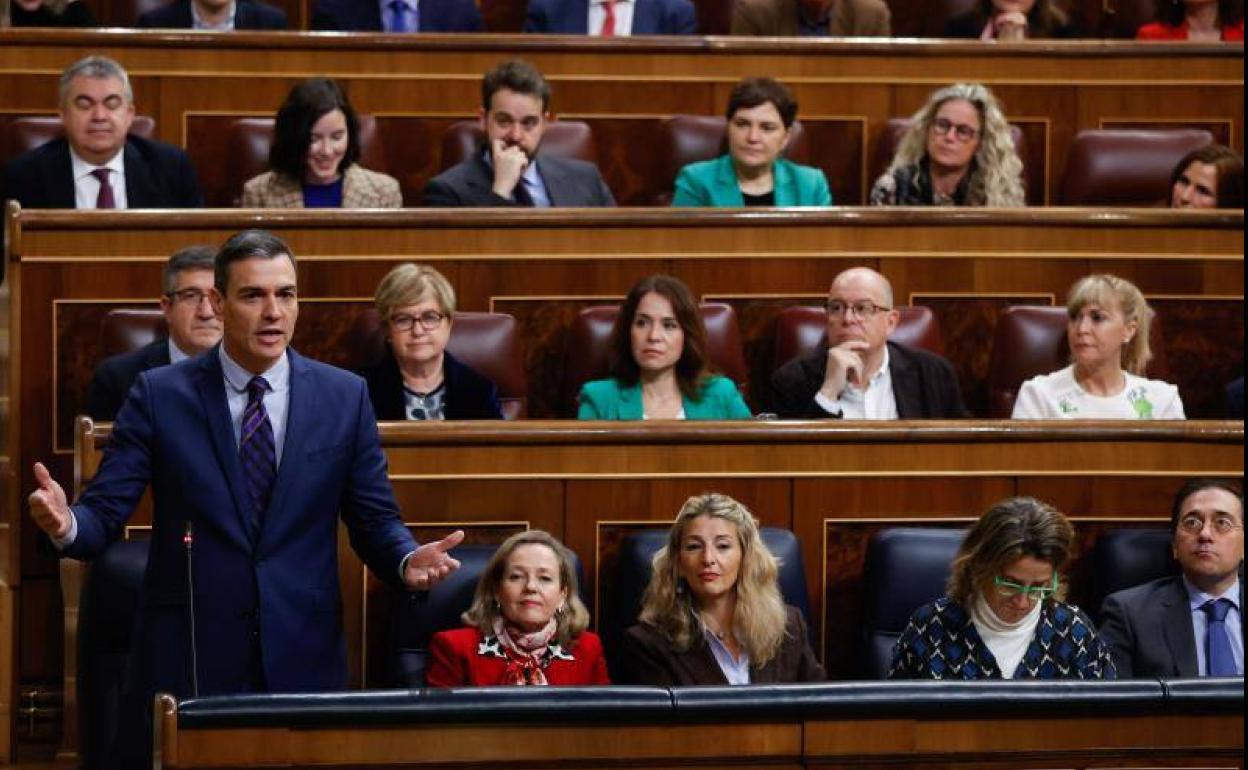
[(1052, 89)]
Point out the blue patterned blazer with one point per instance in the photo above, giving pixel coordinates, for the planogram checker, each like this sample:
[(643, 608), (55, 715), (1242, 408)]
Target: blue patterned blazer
[(941, 642)]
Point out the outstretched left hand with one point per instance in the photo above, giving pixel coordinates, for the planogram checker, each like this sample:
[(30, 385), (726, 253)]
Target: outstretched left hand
[(430, 563)]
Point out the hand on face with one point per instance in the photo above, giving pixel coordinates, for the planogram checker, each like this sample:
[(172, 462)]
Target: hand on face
[(509, 164), (531, 589), (845, 366), (1011, 25)]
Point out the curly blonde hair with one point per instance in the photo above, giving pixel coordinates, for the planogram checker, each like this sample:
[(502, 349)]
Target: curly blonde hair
[(571, 619), (759, 618), (996, 170), (1106, 291)]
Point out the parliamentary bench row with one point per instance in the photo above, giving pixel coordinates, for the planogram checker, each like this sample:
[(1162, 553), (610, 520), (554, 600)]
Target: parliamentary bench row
[(918, 724), (1104, 167)]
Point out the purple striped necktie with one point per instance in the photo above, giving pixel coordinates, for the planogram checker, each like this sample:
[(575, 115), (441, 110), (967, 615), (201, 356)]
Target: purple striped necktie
[(105, 199), (257, 450)]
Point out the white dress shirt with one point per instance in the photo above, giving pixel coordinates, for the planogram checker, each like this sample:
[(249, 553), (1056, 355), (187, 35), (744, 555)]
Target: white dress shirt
[(877, 402), (87, 187), (276, 401), (623, 17)]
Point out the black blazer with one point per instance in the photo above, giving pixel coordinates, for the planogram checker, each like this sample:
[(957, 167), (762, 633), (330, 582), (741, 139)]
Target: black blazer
[(650, 17), (569, 182), (247, 15), (469, 396), (971, 25), (76, 14), (1148, 629), (924, 385), (113, 377), (648, 658), (365, 16), (158, 176)]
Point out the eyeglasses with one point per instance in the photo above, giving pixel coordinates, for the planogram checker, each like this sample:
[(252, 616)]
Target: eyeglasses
[(1222, 523), (428, 321), (864, 309), (187, 296), (963, 132), (1011, 590)]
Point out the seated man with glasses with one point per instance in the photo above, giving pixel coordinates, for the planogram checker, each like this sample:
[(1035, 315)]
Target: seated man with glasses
[(1191, 624), (860, 374), (193, 328), (1003, 616)]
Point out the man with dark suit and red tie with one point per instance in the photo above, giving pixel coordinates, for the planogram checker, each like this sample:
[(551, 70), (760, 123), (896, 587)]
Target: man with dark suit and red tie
[(190, 320), (1190, 624), (258, 452), (96, 164), (611, 18)]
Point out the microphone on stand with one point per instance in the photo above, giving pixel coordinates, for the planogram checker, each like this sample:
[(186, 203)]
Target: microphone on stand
[(188, 539)]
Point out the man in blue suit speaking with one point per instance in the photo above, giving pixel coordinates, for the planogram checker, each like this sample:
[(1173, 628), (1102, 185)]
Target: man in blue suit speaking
[(256, 451)]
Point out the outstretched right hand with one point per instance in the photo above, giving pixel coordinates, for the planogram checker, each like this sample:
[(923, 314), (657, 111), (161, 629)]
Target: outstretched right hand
[(48, 506)]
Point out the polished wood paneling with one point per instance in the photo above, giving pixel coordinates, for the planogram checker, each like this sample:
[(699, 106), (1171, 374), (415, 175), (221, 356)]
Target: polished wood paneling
[(619, 85)]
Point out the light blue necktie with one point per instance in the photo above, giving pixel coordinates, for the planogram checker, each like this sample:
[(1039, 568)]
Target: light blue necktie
[(1218, 654), (403, 18)]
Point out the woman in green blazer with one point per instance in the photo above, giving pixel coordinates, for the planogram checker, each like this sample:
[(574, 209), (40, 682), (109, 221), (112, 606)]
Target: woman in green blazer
[(658, 363), (760, 114)]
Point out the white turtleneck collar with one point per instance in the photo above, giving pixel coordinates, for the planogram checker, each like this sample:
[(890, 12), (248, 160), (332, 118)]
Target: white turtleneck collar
[(1006, 641)]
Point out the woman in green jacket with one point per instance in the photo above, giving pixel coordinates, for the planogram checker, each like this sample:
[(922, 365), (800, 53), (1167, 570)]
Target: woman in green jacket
[(760, 114), (658, 362)]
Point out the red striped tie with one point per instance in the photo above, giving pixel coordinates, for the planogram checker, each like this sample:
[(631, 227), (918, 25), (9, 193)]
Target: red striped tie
[(608, 21)]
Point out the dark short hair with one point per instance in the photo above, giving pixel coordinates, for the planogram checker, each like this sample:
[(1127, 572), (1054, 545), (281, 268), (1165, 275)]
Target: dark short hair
[(515, 75), (189, 258), (1230, 12), (1043, 20), (1230, 166), (692, 369), (1192, 486), (752, 92), (307, 103), (248, 244)]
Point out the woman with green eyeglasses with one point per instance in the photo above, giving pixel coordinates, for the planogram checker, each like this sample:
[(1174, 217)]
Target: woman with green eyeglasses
[(1003, 616), (418, 379)]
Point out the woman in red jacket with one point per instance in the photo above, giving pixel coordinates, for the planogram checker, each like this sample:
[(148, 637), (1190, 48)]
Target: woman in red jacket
[(1197, 20), (526, 625)]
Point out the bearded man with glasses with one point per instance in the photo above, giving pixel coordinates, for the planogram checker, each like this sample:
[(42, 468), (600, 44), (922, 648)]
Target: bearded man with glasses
[(859, 373), (192, 324), (1191, 624)]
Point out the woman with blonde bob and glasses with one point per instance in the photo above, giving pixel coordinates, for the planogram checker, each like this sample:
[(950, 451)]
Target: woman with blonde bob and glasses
[(712, 613), (418, 379), (526, 625), (1003, 616), (1108, 335), (956, 152)]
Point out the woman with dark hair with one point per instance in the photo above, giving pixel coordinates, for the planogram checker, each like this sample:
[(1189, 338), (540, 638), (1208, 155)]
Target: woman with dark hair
[(760, 114), (316, 143), (1197, 20), (1003, 616), (1211, 177), (712, 612), (658, 362), (526, 625), (1012, 20), (45, 13)]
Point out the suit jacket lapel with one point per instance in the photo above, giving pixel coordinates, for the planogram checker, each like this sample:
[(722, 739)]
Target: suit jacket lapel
[(1176, 627), (631, 407), (186, 19), (905, 384), (211, 386), (299, 415), (61, 176), (555, 178), (700, 662), (140, 187), (645, 17), (727, 191)]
